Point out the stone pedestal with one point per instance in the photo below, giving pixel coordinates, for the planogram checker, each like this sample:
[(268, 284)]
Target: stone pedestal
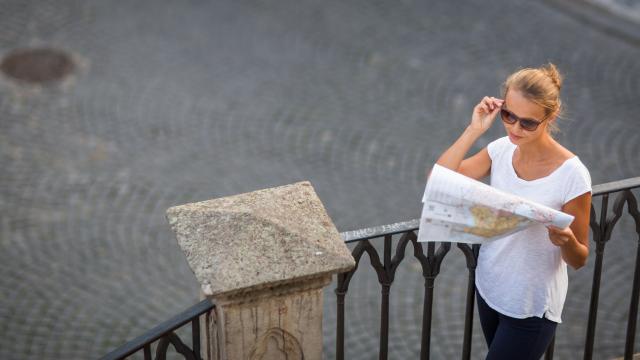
[(278, 323), (263, 258)]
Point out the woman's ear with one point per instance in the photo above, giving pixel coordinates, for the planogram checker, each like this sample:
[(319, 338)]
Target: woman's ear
[(552, 120), (550, 125)]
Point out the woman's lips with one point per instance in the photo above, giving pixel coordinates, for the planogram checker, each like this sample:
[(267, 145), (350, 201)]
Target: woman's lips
[(515, 137)]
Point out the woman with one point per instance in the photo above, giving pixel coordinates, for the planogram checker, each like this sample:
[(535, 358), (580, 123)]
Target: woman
[(521, 280)]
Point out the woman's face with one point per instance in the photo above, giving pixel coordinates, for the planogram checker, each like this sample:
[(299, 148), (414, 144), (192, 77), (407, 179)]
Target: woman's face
[(516, 103)]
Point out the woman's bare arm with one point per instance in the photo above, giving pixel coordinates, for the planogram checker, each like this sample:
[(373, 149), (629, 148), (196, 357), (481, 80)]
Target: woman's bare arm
[(479, 165), (574, 240), (453, 158)]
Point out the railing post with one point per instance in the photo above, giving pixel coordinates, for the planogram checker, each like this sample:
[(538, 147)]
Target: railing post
[(264, 258), (427, 306), (600, 240), (471, 255), (384, 303)]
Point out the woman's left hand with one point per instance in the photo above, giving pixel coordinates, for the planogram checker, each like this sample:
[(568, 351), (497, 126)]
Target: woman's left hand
[(560, 237)]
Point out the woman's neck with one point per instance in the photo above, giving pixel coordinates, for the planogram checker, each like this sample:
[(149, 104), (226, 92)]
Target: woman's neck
[(536, 151)]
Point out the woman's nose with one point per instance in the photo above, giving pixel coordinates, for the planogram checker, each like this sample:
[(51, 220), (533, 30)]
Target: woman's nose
[(517, 128)]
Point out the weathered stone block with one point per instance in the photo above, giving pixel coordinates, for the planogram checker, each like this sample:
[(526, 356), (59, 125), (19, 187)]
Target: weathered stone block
[(284, 323), (264, 258), (242, 242)]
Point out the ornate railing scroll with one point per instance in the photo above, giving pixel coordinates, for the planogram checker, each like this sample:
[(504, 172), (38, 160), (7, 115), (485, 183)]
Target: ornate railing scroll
[(165, 334), (431, 259), (386, 270), (602, 229)]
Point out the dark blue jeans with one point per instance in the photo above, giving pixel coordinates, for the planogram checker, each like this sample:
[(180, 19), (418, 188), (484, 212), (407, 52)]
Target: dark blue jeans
[(511, 338)]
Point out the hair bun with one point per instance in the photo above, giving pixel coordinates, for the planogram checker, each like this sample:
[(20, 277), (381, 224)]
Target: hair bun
[(552, 72)]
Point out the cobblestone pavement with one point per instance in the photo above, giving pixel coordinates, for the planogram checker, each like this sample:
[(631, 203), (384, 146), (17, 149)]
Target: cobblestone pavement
[(181, 101), (629, 9)]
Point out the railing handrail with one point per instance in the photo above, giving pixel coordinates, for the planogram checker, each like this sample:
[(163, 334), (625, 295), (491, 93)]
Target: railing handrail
[(615, 186), (160, 330), (410, 225)]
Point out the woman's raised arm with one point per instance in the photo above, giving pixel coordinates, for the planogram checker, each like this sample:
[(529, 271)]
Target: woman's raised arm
[(477, 166)]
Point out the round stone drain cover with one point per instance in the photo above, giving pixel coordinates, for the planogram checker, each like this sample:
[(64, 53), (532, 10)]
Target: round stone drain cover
[(37, 66)]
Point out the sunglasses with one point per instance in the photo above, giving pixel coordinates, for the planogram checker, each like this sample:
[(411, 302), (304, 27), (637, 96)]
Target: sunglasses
[(511, 118)]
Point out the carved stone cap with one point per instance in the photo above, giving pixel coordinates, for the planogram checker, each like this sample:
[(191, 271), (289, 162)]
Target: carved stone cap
[(259, 239)]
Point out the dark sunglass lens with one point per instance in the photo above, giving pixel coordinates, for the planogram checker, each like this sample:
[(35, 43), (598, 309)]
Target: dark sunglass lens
[(506, 116), (528, 124)]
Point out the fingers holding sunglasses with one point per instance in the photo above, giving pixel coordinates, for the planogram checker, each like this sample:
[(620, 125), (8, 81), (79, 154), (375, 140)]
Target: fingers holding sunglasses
[(483, 114), (487, 104), (493, 103)]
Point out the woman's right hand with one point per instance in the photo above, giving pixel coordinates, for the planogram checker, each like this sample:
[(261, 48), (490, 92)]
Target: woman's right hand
[(485, 113)]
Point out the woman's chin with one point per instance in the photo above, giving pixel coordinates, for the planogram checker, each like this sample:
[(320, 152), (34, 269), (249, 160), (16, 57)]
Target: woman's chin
[(514, 139)]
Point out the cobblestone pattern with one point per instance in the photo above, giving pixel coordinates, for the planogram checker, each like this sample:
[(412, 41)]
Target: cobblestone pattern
[(629, 9), (177, 102)]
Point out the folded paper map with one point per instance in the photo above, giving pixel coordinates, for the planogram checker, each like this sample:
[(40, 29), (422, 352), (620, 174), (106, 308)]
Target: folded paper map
[(460, 209)]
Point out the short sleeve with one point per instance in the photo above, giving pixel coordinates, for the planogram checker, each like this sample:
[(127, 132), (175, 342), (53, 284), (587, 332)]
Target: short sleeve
[(578, 182), (496, 147)]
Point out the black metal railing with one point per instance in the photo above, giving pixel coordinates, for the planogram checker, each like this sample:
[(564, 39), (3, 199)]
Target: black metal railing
[(165, 335), (430, 256)]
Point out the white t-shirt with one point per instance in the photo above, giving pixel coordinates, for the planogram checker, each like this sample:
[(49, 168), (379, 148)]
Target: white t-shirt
[(523, 274)]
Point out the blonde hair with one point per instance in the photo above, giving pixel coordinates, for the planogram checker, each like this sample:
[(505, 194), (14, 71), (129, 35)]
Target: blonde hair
[(541, 86)]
